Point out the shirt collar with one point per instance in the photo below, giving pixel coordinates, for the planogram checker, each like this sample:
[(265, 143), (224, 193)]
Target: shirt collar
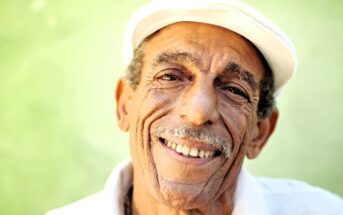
[(248, 198)]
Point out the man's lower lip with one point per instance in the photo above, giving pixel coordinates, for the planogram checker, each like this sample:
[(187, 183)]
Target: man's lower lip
[(185, 159)]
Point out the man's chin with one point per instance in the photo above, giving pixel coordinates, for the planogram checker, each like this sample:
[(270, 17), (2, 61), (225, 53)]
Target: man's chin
[(176, 194), (182, 196)]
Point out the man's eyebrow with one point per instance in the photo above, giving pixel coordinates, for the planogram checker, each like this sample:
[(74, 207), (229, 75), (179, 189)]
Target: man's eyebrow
[(244, 74), (175, 57)]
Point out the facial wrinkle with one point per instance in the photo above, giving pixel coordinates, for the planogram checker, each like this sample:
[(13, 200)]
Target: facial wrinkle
[(234, 121), (233, 162), (143, 123), (227, 185), (248, 109), (230, 134), (139, 137), (146, 122)]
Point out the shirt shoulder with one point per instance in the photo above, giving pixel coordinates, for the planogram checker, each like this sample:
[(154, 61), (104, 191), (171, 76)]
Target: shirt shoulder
[(87, 206), (109, 201), (286, 196)]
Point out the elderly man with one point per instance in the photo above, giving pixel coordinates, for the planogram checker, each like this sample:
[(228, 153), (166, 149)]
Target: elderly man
[(197, 98)]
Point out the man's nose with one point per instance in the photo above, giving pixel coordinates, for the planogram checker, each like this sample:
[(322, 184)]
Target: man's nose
[(199, 106)]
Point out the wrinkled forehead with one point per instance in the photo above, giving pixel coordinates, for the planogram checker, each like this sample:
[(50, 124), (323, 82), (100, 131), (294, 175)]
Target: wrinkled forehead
[(204, 41)]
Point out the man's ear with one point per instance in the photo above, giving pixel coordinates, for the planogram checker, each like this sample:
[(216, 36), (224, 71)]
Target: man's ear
[(123, 94), (261, 133)]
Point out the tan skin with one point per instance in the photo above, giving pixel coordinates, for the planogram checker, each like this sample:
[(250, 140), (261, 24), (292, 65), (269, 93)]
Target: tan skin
[(190, 86)]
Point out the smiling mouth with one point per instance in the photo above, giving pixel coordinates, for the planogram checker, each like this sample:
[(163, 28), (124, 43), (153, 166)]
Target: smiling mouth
[(191, 152)]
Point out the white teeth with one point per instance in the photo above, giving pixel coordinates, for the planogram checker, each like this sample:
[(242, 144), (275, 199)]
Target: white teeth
[(207, 154), (191, 152), (185, 150), (179, 148), (201, 154)]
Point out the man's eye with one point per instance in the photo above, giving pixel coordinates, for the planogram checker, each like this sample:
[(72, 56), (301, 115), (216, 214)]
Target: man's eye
[(236, 91), (169, 77)]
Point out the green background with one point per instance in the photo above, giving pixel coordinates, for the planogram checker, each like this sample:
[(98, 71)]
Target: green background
[(59, 61)]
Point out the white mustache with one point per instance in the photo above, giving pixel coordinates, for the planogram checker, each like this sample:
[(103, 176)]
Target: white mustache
[(195, 135)]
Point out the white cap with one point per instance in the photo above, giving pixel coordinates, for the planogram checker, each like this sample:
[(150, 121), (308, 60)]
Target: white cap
[(231, 14)]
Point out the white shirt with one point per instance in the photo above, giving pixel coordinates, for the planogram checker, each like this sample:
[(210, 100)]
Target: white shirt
[(253, 196)]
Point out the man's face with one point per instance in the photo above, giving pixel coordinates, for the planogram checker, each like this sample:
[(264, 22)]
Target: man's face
[(193, 113)]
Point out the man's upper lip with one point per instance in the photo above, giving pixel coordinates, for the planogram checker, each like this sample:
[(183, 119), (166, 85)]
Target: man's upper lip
[(191, 143)]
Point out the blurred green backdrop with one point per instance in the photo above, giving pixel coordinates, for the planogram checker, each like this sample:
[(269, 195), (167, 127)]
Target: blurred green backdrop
[(58, 64)]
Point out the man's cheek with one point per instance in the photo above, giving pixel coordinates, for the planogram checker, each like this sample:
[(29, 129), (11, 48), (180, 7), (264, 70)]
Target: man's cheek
[(150, 107), (236, 121)]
